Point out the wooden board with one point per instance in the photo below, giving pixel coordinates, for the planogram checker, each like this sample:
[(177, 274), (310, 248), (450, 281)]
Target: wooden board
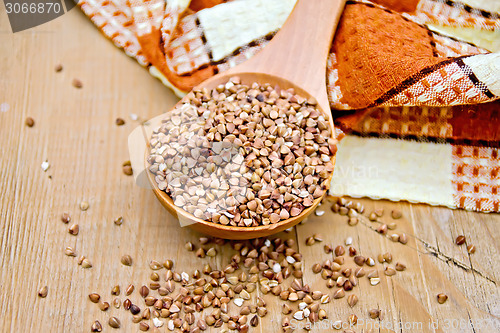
[(75, 131)]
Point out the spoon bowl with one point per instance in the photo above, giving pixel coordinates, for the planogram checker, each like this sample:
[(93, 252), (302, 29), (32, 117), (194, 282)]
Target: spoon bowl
[(227, 231), (295, 58)]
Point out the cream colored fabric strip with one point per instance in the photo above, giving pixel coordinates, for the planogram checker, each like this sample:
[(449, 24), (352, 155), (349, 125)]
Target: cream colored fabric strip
[(486, 67), (489, 5), (393, 169), (231, 25)]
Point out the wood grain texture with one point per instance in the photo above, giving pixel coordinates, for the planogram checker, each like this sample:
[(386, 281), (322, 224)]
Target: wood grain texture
[(75, 131)]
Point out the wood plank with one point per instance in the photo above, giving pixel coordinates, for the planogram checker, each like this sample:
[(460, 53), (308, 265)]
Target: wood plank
[(472, 294)]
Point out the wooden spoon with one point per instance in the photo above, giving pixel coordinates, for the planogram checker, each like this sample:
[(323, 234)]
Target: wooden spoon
[(295, 58)]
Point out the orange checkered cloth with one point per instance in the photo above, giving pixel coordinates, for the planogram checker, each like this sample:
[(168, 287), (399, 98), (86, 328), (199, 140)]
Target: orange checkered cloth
[(413, 85)]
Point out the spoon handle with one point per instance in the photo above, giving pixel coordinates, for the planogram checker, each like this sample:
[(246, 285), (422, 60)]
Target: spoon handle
[(298, 53)]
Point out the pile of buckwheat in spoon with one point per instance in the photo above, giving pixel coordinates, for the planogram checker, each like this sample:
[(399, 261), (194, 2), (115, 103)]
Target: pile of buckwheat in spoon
[(243, 155)]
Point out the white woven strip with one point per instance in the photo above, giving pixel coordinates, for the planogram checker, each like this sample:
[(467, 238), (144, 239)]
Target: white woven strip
[(435, 11), (234, 24), (187, 52), (486, 67), (489, 5), (173, 9), (448, 47), (333, 88), (147, 15), (394, 169)]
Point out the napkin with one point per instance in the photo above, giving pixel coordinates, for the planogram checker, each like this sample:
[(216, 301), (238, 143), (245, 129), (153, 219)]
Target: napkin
[(413, 85)]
